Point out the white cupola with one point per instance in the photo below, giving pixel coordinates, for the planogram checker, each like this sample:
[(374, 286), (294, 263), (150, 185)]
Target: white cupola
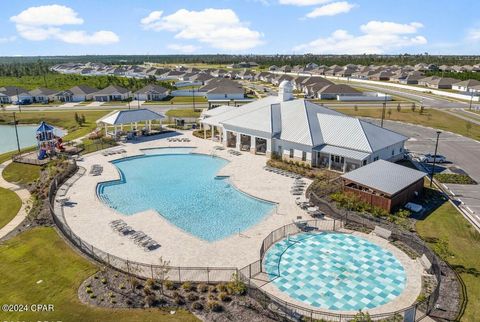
[(285, 91)]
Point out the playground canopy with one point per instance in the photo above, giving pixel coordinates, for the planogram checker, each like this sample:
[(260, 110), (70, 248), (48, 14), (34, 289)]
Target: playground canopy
[(125, 117)]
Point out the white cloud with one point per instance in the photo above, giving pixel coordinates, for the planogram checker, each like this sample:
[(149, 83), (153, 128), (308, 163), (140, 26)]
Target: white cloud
[(45, 22), (152, 17), (474, 34), (50, 15), (187, 49), (372, 41), (4, 40), (331, 9), (219, 28), (386, 27), (303, 3)]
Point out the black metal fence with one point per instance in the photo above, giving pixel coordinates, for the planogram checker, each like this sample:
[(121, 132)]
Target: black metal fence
[(251, 275), (142, 270)]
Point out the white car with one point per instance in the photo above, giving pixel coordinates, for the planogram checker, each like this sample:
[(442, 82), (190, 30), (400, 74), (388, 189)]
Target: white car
[(430, 157)]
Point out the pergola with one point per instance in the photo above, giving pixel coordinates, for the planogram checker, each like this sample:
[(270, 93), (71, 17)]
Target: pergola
[(117, 119)]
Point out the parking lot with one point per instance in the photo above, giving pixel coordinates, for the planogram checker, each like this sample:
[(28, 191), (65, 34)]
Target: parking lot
[(461, 152)]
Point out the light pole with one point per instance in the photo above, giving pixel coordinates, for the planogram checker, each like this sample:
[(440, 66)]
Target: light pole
[(16, 131), (434, 159), (18, 101), (193, 97), (471, 99), (384, 108)]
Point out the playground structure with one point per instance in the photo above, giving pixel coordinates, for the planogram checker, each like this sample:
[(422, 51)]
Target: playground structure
[(48, 143)]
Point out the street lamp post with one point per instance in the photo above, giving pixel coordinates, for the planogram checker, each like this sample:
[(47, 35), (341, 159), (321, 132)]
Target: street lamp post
[(18, 101), (384, 108), (434, 159), (16, 131), (471, 99), (193, 97)]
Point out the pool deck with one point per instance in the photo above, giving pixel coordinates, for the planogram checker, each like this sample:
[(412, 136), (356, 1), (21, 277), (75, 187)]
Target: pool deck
[(89, 217), (413, 272)]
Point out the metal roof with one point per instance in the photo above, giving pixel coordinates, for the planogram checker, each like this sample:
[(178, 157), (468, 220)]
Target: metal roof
[(130, 116), (343, 152), (384, 176)]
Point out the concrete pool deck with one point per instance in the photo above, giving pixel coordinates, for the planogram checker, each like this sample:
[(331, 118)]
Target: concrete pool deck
[(89, 218), (413, 286)]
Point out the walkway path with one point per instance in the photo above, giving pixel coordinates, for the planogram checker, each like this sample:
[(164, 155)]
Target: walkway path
[(24, 196)]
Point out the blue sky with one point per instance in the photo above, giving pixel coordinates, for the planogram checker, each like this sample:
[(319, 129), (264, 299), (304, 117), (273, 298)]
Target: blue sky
[(32, 27)]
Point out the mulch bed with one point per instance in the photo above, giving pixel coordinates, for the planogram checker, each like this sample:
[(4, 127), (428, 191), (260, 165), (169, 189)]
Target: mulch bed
[(212, 302)]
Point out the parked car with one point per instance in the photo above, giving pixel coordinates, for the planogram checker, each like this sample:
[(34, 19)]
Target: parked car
[(430, 157), (22, 102)]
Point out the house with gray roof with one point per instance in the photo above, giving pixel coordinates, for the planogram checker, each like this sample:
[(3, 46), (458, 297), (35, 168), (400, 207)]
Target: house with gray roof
[(10, 94), (112, 93), (302, 131), (43, 95), (151, 92), (78, 93)]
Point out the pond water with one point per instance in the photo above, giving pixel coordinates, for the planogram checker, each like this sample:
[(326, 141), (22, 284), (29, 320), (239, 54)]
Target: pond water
[(26, 137)]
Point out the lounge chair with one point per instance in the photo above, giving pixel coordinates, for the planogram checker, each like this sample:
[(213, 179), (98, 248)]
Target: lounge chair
[(137, 234), (126, 230)]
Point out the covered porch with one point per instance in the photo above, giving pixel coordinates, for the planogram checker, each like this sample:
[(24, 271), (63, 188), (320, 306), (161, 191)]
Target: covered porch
[(338, 159)]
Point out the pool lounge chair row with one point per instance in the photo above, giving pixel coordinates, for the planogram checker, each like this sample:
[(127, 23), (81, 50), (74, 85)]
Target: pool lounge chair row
[(96, 170), (234, 152), (113, 152), (178, 140), (139, 238), (282, 172), (219, 148)]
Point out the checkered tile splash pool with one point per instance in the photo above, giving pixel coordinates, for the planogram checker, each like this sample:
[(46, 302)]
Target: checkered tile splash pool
[(335, 271)]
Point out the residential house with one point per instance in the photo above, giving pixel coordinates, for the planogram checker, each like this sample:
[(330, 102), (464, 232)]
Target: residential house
[(112, 93), (151, 92), (78, 93), (466, 85), (223, 90), (42, 95), (11, 94), (333, 90)]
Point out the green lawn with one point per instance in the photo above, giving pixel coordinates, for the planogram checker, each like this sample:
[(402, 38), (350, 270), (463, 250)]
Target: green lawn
[(188, 99), (183, 113), (21, 173), (64, 119), (40, 254), (464, 245), (10, 205), (430, 117)]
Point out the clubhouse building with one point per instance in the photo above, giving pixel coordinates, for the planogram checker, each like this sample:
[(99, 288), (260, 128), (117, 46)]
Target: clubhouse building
[(302, 131)]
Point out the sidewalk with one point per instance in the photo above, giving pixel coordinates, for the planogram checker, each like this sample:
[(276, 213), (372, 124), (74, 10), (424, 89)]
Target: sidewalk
[(24, 196)]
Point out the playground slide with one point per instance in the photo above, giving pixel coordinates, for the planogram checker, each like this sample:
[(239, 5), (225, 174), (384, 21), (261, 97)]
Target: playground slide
[(42, 155)]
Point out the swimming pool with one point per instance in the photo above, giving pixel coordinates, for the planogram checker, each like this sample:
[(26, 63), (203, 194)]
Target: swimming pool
[(185, 190), (334, 271)]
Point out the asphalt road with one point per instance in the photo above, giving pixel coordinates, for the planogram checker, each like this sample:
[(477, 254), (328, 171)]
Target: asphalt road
[(159, 107), (462, 152), (428, 100)]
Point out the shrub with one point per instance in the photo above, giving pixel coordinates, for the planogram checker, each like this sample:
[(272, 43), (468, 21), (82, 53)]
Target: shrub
[(150, 299), (104, 281), (92, 296), (187, 286), (203, 288), (179, 300), (236, 286), (192, 297), (150, 283), (122, 286), (169, 285), (197, 306), (214, 306), (212, 297), (89, 290), (212, 289), (224, 297), (222, 287)]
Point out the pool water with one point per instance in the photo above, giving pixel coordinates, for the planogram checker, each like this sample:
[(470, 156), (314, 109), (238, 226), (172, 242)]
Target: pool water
[(334, 271), (184, 189)]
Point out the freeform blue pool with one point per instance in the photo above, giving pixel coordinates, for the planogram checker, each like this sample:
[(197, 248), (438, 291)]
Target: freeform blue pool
[(184, 189), (334, 271)]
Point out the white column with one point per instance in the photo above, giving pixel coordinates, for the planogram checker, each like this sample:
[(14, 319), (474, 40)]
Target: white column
[(329, 161), (204, 133), (253, 144), (213, 132), (237, 145), (344, 164)]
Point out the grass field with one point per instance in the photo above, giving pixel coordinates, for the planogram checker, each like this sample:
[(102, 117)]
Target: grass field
[(21, 173), (183, 113), (463, 247), (430, 117), (41, 255), (64, 119), (10, 205)]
